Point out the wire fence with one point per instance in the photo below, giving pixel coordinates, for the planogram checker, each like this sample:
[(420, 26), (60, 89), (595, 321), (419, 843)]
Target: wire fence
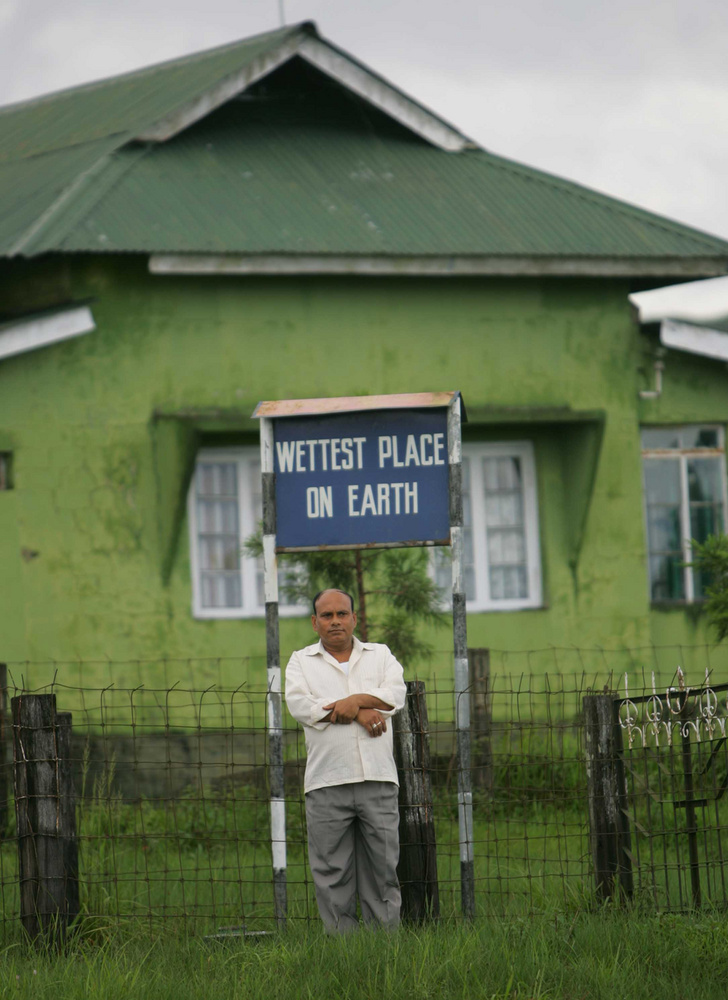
[(171, 783)]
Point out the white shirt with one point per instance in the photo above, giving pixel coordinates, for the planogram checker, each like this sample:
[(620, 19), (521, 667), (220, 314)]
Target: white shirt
[(342, 754)]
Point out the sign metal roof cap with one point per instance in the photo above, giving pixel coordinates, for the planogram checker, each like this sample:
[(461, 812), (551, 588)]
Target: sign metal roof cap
[(351, 404)]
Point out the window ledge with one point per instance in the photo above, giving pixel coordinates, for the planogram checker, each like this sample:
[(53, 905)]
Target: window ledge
[(508, 609), (698, 605)]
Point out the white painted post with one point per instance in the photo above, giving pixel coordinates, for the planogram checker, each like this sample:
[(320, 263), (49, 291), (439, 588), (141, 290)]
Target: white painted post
[(460, 644), (275, 706)]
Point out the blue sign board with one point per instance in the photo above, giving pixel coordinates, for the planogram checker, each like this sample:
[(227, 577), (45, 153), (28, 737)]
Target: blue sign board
[(369, 478)]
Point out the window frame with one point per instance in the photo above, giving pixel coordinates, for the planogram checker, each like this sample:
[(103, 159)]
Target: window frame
[(476, 452), (681, 455), (243, 456)]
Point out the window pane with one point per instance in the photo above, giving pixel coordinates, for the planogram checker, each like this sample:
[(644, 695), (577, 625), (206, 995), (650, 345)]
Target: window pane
[(217, 516), (664, 529), (660, 437), (217, 479), (666, 578), (221, 590), (663, 524), (218, 534), (506, 539), (218, 553), (669, 517), (502, 474), (507, 583), (503, 509), (506, 547), (662, 480), (700, 437), (704, 479), (705, 520)]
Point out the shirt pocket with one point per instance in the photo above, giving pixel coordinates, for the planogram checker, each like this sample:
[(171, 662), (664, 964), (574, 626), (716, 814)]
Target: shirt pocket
[(365, 676)]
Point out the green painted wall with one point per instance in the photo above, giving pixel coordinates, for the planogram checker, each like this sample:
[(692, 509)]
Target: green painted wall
[(92, 507)]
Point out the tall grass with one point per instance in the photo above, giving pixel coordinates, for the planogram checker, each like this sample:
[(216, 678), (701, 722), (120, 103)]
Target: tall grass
[(599, 956)]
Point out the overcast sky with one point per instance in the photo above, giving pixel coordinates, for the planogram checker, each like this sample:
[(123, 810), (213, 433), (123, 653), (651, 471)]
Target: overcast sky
[(626, 96)]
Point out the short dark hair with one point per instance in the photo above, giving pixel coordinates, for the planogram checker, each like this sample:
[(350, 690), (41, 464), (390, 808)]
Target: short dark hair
[(336, 591)]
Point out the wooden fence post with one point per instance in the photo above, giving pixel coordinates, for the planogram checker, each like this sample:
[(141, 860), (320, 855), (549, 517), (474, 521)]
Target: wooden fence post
[(607, 793), (46, 819), (482, 759), (417, 868), (4, 751)]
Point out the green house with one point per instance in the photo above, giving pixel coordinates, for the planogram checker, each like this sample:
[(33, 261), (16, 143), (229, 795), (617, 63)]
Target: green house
[(272, 220)]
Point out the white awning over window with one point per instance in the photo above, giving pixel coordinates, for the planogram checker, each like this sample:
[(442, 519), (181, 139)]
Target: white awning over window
[(700, 302), (32, 332), (695, 339), (693, 317)]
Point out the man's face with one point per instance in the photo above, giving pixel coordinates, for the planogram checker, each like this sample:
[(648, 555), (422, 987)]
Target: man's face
[(334, 620)]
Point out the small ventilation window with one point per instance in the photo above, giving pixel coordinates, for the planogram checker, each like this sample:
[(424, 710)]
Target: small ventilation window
[(6, 466)]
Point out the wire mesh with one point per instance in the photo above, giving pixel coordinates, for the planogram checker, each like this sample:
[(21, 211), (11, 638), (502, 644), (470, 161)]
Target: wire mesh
[(172, 786)]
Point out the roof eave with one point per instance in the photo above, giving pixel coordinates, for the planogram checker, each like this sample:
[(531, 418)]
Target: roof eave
[(437, 266)]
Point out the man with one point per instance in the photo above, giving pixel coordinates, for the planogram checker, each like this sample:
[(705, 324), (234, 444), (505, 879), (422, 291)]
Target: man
[(342, 691)]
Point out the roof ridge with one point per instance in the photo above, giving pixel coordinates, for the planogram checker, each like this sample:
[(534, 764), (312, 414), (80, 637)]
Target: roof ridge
[(579, 190), (142, 71)]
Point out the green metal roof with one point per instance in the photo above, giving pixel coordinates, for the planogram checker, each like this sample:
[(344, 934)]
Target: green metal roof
[(297, 165)]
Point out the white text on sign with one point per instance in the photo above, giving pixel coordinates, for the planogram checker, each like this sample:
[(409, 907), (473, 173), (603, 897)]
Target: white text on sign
[(347, 453), (420, 449)]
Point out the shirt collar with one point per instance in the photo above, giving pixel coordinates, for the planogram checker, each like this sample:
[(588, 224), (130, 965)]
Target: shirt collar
[(317, 649)]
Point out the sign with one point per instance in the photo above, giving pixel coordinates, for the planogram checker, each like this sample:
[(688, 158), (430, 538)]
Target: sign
[(356, 479)]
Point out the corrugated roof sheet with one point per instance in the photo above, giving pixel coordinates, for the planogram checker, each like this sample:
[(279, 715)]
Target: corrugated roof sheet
[(299, 166), (124, 105), (260, 177)]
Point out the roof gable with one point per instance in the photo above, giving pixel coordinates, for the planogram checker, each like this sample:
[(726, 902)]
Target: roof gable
[(156, 103)]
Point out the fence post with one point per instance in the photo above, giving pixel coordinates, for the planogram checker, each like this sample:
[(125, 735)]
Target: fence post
[(479, 672), (607, 794), (417, 867), (4, 754), (46, 819)]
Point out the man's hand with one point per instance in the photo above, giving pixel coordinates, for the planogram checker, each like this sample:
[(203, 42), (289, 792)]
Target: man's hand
[(343, 711), (374, 723)]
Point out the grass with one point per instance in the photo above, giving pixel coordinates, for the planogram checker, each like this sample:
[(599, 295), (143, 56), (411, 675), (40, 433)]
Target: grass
[(205, 865), (599, 956)]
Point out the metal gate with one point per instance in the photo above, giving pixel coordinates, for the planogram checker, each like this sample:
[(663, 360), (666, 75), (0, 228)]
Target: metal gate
[(675, 763)]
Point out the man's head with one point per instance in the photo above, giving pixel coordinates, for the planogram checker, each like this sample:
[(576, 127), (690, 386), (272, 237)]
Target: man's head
[(333, 590), (333, 619)]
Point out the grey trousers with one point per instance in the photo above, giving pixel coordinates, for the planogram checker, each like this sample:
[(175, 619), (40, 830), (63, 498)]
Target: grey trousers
[(353, 847)]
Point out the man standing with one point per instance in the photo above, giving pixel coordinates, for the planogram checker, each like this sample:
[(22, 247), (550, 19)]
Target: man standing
[(342, 691)]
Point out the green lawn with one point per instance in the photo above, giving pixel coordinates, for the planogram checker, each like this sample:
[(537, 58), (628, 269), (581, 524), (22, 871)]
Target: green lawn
[(577, 956)]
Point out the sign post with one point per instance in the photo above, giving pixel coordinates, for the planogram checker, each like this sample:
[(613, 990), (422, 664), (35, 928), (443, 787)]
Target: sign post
[(460, 650), (363, 472)]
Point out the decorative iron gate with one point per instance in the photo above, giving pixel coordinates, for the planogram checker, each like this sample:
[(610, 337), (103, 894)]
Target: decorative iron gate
[(674, 752)]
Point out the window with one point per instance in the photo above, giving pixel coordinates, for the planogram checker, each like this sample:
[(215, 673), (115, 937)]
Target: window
[(502, 565), (225, 507), (5, 469), (685, 499)]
